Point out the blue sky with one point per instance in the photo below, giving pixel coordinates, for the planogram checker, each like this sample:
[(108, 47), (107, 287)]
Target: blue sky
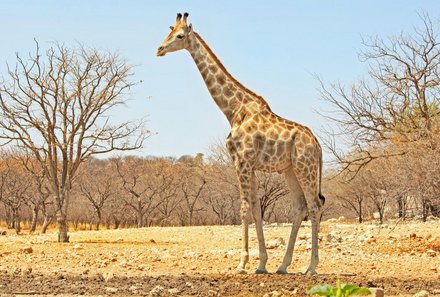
[(274, 48)]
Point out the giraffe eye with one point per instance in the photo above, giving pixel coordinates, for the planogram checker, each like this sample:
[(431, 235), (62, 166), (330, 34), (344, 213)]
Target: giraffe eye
[(180, 36)]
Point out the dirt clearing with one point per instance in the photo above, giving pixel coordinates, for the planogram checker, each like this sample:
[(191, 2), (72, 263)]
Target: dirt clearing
[(402, 258)]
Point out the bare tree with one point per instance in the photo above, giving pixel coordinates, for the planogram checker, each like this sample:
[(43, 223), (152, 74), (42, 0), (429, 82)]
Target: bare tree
[(13, 190), (97, 184), (193, 185), (351, 194), (398, 103), (55, 105), (146, 183), (271, 187), (39, 198)]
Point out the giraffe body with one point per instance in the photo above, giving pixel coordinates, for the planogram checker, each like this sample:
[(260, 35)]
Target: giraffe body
[(259, 140)]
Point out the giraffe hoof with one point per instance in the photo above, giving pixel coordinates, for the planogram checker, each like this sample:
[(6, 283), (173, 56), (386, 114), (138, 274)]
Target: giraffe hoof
[(281, 271), (261, 271), (240, 271), (310, 272)]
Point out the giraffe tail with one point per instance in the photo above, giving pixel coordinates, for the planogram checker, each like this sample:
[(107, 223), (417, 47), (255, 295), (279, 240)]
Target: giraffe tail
[(321, 197)]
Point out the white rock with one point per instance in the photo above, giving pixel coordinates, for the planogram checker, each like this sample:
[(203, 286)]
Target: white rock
[(431, 253), (111, 290), (108, 276), (27, 250), (156, 291), (275, 243), (174, 291), (334, 236), (133, 289), (273, 294), (422, 293)]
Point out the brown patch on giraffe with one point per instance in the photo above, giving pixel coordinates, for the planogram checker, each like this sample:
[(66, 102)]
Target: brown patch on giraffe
[(280, 150), (256, 119), (249, 154), (216, 91), (247, 139), (203, 67), (278, 128), (210, 81), (204, 72), (212, 69), (306, 139), (264, 126), (266, 157), (228, 92), (285, 135), (270, 149), (221, 79), (272, 133)]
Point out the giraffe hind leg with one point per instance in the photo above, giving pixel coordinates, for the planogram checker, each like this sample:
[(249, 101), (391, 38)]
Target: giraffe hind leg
[(299, 213), (306, 170)]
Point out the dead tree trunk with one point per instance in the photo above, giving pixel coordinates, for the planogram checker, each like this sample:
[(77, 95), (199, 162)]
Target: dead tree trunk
[(35, 212)]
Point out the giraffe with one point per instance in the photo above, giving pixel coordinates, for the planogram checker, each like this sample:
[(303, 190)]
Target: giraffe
[(259, 140)]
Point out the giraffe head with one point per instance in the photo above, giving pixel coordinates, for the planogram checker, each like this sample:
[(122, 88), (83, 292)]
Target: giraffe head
[(178, 38)]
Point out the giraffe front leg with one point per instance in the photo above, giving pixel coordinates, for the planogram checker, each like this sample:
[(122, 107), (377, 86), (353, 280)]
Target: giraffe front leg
[(256, 211), (245, 218)]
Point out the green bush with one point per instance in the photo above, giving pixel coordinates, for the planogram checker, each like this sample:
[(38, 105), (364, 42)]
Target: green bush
[(338, 291)]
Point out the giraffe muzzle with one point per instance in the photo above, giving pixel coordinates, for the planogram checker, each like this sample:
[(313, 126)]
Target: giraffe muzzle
[(160, 51)]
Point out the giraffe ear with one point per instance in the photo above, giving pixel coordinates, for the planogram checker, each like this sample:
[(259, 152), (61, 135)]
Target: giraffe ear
[(190, 29)]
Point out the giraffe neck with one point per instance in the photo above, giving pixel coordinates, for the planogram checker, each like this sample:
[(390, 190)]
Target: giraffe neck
[(227, 92)]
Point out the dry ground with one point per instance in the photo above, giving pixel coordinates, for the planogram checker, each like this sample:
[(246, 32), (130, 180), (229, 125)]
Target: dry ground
[(403, 258)]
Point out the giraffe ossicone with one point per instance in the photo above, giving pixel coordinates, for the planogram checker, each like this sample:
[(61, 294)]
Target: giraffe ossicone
[(259, 140)]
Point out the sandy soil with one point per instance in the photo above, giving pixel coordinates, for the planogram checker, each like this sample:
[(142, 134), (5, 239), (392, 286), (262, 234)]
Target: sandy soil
[(402, 258)]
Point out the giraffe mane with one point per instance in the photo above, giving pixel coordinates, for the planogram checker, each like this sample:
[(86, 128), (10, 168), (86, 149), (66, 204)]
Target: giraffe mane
[(226, 72)]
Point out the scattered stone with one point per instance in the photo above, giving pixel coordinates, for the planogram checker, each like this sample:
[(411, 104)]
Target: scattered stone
[(119, 239), (174, 291), (413, 236), (111, 290), (334, 236), (108, 276), (213, 293), (305, 236), (27, 250), (152, 241), (231, 252), (156, 291), (272, 294), (275, 243), (372, 240), (26, 271), (77, 247), (134, 289), (377, 292), (422, 293), (431, 253)]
